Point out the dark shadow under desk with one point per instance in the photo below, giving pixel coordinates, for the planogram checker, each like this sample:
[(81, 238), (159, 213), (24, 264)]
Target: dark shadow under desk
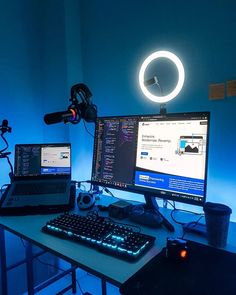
[(208, 271)]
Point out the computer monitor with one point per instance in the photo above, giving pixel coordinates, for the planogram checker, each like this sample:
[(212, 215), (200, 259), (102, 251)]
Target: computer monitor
[(156, 155)]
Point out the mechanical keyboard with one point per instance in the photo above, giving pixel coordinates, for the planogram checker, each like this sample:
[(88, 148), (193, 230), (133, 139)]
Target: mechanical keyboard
[(102, 234)]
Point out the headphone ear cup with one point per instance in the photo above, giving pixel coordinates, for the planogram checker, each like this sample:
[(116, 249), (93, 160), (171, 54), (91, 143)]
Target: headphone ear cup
[(85, 201), (90, 113)]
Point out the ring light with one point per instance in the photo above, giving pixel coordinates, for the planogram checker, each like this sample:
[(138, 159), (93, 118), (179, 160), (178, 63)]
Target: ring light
[(179, 85)]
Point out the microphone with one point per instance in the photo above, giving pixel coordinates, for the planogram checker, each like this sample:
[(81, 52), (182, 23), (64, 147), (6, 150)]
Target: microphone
[(66, 116), (4, 127)]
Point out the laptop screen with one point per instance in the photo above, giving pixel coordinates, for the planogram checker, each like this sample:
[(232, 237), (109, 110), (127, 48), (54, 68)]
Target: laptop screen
[(34, 160)]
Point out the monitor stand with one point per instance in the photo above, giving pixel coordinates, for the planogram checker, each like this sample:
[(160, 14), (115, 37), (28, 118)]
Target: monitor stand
[(149, 214), (151, 204)]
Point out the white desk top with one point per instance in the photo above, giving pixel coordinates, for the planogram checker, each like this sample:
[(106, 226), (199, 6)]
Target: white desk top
[(115, 270)]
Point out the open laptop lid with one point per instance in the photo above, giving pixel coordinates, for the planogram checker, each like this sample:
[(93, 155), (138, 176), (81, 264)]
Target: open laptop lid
[(42, 161)]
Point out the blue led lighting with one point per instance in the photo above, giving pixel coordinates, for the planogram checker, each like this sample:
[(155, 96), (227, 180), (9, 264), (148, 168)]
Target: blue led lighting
[(118, 238), (121, 249), (137, 252)]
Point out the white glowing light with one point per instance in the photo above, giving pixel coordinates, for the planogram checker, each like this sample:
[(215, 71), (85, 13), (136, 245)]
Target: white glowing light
[(179, 85)]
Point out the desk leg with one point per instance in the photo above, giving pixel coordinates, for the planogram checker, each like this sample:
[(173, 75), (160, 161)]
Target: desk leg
[(29, 268), (3, 262), (104, 287), (73, 279)]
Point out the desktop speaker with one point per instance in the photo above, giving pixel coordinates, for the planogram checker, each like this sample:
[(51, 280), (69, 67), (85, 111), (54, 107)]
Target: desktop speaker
[(85, 201)]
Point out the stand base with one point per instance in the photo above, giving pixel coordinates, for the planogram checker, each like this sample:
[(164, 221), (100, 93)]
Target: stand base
[(140, 214), (149, 214)]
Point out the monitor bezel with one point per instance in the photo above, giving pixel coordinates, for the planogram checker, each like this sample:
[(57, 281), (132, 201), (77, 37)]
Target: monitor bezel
[(147, 192)]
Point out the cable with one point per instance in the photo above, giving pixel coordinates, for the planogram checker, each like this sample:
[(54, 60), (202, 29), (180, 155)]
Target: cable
[(172, 205), (190, 212), (6, 154), (87, 129), (195, 224), (4, 139), (10, 164), (109, 192), (51, 265)]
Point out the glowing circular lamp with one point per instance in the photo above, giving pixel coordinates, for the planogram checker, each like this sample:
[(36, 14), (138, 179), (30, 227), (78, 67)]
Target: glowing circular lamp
[(179, 85)]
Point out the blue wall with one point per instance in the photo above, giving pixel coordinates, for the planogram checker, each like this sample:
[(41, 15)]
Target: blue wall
[(33, 81), (33, 76), (118, 35)]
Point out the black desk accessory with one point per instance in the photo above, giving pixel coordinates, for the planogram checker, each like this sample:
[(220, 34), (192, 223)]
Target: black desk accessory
[(208, 271), (119, 209), (150, 215), (101, 233), (85, 201), (177, 249), (195, 228), (78, 109)]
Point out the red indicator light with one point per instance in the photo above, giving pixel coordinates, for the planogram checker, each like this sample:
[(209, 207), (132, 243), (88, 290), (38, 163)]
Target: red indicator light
[(183, 253)]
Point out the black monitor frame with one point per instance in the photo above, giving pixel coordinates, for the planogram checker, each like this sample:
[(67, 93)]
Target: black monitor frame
[(155, 193)]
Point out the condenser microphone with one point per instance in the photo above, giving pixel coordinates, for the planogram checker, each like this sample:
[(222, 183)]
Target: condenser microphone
[(4, 127), (66, 116)]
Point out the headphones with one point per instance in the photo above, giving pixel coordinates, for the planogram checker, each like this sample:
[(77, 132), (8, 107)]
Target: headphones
[(85, 109), (85, 201)]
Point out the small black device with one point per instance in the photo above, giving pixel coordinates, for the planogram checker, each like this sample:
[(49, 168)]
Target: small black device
[(176, 249), (119, 209), (76, 111), (195, 228), (101, 233), (85, 201)]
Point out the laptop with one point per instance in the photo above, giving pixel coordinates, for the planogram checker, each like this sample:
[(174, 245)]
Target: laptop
[(42, 180)]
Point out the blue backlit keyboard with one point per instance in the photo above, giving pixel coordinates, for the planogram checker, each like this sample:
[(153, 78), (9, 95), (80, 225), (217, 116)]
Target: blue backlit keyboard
[(101, 233)]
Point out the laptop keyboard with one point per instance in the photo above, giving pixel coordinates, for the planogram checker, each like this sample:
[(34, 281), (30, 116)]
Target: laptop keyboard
[(39, 188)]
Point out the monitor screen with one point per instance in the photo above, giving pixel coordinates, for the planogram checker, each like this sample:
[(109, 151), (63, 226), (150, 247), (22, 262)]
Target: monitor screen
[(155, 155), (33, 160)]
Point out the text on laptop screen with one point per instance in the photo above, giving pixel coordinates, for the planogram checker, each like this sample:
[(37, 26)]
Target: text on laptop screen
[(42, 159)]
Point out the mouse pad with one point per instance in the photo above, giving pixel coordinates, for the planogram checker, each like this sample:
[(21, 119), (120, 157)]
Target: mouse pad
[(207, 271)]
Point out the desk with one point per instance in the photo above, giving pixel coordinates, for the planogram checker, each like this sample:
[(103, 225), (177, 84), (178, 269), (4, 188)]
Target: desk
[(108, 268)]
